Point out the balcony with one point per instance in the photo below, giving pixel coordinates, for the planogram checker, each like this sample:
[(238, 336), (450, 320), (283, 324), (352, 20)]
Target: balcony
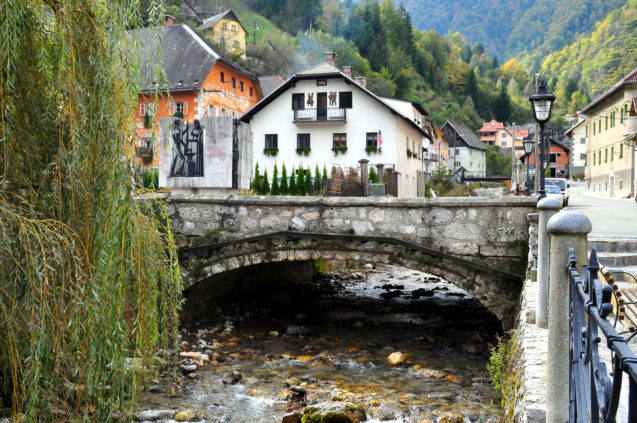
[(431, 157), (333, 114)]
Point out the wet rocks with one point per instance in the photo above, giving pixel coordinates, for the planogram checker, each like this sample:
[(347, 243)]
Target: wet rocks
[(396, 358), (296, 330), (232, 378), (188, 368), (154, 415), (334, 412), (294, 417), (432, 373)]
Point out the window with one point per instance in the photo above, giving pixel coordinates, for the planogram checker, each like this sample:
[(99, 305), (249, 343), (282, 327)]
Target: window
[(582, 157), (594, 128), (222, 77), (302, 140), (223, 42), (234, 82), (223, 111), (599, 157), (605, 155), (224, 25), (612, 153), (298, 101), (175, 108), (150, 109), (582, 140), (553, 158), (339, 140), (142, 109), (504, 143), (585, 130), (211, 110), (321, 82), (235, 44), (372, 139), (605, 123), (504, 135), (594, 157), (251, 92), (621, 150), (621, 184), (621, 115), (271, 140), (345, 99), (241, 86), (234, 27)]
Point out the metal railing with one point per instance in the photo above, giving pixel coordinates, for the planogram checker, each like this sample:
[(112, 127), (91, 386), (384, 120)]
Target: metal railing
[(320, 115), (593, 396)]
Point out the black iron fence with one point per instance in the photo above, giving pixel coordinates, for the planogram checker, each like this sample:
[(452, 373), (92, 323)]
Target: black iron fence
[(594, 396), (343, 188)]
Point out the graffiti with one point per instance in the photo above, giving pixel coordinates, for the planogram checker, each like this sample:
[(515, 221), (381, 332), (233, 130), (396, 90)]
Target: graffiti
[(332, 98), (187, 150), (310, 99)]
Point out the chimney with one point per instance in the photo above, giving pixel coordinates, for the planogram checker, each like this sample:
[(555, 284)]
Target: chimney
[(347, 70), (330, 58), (362, 81), (169, 20)]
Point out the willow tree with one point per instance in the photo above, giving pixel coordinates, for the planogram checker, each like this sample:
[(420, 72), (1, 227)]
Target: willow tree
[(89, 280)]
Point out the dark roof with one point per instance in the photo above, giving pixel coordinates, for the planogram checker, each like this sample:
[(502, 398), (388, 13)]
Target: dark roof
[(203, 8), (323, 71), (561, 141), (228, 14), (629, 79), (184, 57), (270, 83), (470, 139)]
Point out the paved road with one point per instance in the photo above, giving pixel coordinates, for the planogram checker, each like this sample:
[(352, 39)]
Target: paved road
[(611, 217)]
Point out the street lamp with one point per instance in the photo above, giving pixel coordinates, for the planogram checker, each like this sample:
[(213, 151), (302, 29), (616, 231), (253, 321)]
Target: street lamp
[(528, 148), (541, 103)]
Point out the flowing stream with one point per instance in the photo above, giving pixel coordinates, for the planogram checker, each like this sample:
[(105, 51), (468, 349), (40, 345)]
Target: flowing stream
[(329, 341)]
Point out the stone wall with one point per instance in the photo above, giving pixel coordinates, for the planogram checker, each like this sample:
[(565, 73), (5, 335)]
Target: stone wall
[(489, 231)]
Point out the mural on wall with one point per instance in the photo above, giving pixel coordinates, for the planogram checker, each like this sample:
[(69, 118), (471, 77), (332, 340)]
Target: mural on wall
[(310, 99), (187, 150), (332, 98)]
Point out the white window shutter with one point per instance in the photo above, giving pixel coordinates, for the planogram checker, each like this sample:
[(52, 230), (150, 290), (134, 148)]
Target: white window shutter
[(185, 108), (171, 109), (151, 108), (142, 109)]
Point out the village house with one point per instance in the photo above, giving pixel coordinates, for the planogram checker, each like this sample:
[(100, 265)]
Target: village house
[(227, 32), (324, 117), (197, 81), (465, 150), (610, 164), (200, 10), (440, 150), (489, 132), (497, 134), (558, 158), (577, 134)]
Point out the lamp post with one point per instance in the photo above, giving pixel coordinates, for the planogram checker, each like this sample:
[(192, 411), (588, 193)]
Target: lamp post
[(542, 103), (528, 148)]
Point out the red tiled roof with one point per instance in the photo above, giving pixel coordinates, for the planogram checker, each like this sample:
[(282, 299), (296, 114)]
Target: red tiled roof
[(631, 78), (492, 126)]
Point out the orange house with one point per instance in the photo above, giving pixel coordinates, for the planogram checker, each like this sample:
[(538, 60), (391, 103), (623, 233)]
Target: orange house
[(558, 159), (191, 79)]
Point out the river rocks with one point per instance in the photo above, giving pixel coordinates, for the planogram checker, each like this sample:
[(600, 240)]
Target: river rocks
[(396, 358), (183, 416), (432, 373), (187, 368), (450, 417), (296, 330), (334, 413), (232, 378), (190, 354), (154, 415), (294, 417)]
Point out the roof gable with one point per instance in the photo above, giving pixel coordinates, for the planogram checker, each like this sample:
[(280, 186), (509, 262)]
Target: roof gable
[(466, 135), (228, 14), (184, 57)]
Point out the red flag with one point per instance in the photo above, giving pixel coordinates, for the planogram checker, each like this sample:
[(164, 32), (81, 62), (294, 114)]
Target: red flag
[(380, 141)]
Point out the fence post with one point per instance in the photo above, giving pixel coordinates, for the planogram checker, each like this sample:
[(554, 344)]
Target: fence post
[(547, 207), (364, 176), (568, 229)]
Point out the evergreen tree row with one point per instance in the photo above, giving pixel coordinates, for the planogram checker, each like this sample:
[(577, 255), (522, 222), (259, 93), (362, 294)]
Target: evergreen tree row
[(299, 182)]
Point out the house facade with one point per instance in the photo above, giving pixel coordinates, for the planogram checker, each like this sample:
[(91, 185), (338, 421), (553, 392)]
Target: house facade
[(465, 150), (227, 32), (559, 158), (198, 82), (578, 134), (323, 117), (610, 164)]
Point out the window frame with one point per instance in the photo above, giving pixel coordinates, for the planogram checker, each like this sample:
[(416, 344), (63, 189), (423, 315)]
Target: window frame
[(234, 82), (368, 138), (296, 97), (302, 139), (271, 141), (241, 86), (339, 139), (222, 77), (345, 99)]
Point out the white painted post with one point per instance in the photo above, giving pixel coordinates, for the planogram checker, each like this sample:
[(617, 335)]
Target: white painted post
[(547, 208), (568, 229)]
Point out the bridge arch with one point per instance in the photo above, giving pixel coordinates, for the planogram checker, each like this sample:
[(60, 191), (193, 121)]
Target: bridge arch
[(498, 291)]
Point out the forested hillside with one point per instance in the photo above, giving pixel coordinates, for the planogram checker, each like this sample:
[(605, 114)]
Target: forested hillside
[(596, 61), (534, 28)]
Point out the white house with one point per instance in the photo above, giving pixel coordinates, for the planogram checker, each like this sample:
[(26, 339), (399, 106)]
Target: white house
[(578, 134), (465, 150), (322, 116)]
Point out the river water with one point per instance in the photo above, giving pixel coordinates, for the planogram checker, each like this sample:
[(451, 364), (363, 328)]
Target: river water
[(329, 341)]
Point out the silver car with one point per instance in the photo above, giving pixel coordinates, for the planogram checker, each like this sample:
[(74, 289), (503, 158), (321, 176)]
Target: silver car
[(564, 187)]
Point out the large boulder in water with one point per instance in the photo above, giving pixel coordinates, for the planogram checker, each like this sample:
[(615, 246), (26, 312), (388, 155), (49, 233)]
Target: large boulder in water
[(329, 412)]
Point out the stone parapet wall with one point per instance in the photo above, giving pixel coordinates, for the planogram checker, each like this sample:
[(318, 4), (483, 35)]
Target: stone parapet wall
[(490, 231)]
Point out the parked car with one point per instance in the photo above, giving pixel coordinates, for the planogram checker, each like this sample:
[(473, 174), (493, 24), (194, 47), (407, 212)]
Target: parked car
[(564, 187), (552, 191)]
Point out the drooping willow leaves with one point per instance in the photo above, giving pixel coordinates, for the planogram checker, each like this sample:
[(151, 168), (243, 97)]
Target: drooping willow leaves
[(89, 279)]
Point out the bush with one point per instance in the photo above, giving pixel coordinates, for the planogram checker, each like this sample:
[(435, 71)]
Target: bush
[(504, 376), (151, 179), (373, 176)]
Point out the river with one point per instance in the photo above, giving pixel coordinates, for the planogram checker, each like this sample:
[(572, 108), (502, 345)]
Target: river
[(328, 341)]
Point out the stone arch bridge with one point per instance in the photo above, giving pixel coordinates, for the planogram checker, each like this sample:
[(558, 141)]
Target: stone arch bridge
[(476, 244)]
